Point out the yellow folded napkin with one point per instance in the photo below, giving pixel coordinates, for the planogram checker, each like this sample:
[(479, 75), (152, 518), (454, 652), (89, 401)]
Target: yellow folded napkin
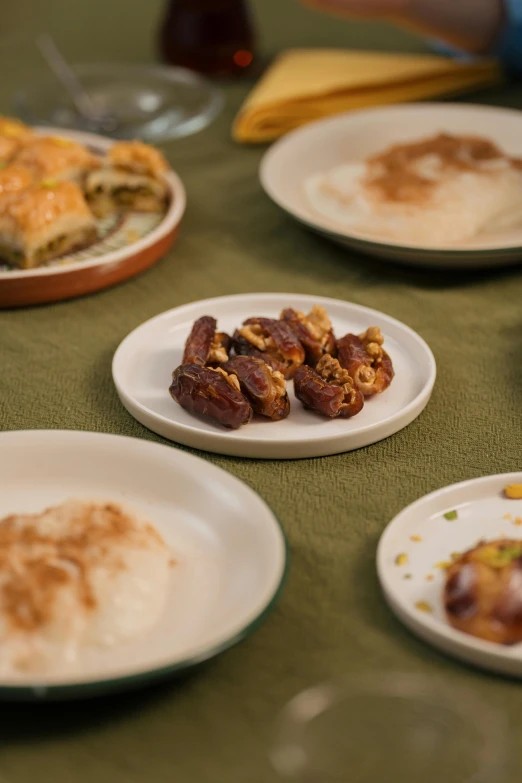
[(307, 84)]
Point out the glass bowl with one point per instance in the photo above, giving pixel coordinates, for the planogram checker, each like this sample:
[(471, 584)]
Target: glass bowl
[(153, 103), (389, 729)]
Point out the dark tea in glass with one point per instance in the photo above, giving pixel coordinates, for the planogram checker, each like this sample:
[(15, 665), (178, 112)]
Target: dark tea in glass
[(215, 37)]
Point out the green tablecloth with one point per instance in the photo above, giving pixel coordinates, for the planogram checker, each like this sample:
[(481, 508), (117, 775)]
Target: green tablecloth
[(55, 372)]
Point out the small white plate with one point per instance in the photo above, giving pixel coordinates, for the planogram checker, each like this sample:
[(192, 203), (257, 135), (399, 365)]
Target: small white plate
[(414, 589), (230, 550), (144, 362), (355, 136)]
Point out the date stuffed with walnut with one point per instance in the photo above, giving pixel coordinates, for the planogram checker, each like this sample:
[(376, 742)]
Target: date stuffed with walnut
[(227, 380), (328, 389), (264, 388), (272, 341), (211, 393), (366, 360), (314, 331), (483, 592), (205, 345)]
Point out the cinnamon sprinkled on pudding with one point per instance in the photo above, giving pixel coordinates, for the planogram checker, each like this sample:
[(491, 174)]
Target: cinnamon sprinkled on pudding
[(436, 191), (399, 175), (77, 574)]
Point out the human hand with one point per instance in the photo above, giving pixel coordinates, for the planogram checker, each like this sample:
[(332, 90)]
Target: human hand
[(473, 24)]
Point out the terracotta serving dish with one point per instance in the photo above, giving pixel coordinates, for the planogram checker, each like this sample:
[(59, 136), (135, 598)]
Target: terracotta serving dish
[(130, 247)]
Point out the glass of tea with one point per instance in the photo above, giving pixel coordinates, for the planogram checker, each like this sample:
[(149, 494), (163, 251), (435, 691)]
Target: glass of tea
[(214, 37)]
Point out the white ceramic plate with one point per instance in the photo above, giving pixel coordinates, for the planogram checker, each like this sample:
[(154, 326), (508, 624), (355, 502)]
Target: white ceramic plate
[(230, 549), (126, 247), (354, 136), (144, 362), (482, 513)]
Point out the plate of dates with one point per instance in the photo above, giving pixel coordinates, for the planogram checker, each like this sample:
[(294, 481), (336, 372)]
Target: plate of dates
[(450, 567), (274, 376)]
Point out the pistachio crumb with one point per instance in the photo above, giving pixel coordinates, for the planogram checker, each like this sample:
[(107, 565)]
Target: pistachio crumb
[(451, 516)]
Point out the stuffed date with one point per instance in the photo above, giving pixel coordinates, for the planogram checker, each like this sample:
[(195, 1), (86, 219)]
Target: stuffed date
[(328, 389), (314, 332), (366, 360), (205, 345), (272, 341), (212, 394), (263, 387)]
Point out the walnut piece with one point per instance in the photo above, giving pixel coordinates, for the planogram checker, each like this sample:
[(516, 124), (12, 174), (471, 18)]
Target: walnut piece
[(254, 334), (373, 341), (279, 380), (332, 372), (232, 380), (330, 369), (367, 375), (218, 354), (317, 322)]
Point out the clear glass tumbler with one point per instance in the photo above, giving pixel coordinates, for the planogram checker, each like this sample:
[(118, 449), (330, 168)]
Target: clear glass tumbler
[(389, 729)]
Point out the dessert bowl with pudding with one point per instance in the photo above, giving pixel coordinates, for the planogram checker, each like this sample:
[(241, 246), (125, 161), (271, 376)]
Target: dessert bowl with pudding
[(423, 184)]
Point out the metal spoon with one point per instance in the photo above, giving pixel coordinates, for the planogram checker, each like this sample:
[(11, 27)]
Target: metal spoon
[(97, 121)]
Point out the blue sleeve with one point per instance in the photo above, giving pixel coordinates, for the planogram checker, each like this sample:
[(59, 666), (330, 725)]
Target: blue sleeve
[(508, 48)]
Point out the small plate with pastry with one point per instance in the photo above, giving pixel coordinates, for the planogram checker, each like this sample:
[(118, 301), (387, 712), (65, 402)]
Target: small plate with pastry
[(79, 212), (274, 376), (450, 566)]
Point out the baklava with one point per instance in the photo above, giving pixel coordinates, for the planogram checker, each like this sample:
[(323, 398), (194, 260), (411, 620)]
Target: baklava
[(54, 158), (132, 179), (13, 180), (13, 136), (44, 222)]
